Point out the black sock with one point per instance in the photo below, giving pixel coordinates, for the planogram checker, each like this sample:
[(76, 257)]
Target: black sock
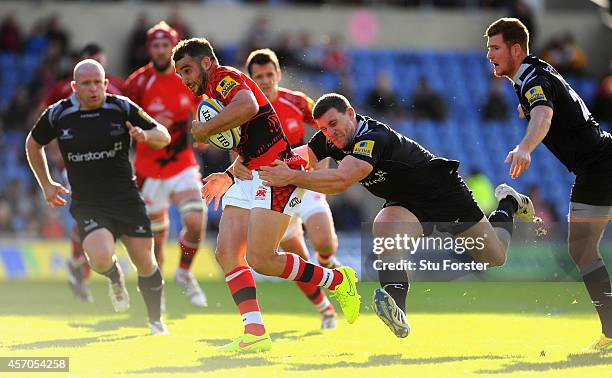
[(503, 216), (113, 274), (597, 281), (151, 289), (395, 282)]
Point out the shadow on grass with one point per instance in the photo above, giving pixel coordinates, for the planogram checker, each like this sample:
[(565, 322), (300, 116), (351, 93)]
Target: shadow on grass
[(573, 361), (70, 343), (289, 335), (395, 360), (209, 364)]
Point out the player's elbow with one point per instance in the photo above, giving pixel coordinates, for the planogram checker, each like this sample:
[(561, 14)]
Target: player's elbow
[(251, 108)]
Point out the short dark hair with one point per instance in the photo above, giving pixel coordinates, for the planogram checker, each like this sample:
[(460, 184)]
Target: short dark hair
[(195, 48), (512, 31), (90, 50), (261, 57), (328, 101)]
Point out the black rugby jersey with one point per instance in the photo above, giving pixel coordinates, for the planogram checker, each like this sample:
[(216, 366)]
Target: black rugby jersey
[(95, 145), (574, 136), (403, 171)]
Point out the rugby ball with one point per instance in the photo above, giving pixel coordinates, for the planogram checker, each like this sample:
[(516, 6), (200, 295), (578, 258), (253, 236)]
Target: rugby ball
[(225, 140)]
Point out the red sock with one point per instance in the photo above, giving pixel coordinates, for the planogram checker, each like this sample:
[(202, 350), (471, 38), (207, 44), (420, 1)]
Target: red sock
[(242, 286), (317, 297), (296, 269), (188, 251)]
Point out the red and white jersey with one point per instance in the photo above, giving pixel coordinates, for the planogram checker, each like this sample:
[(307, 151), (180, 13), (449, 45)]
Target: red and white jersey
[(163, 95), (294, 109), (261, 138), (62, 89)]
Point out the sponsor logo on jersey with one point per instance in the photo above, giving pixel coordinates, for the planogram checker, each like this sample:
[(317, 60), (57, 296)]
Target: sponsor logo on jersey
[(89, 224), (90, 115), (294, 202), (261, 193), (66, 134), (116, 129), (226, 85), (379, 177), (364, 148), (94, 156), (535, 94)]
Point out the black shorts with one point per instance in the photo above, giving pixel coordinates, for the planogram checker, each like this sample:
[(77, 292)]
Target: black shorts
[(593, 185), (128, 219), (452, 209)]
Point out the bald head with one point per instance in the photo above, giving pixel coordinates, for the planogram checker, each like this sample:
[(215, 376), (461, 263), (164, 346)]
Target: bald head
[(87, 66), (89, 84)]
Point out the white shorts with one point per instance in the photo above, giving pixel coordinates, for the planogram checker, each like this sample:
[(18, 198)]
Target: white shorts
[(250, 194), (312, 203), (157, 192)]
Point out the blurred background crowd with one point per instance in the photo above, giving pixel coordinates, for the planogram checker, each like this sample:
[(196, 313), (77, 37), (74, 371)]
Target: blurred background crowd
[(446, 100)]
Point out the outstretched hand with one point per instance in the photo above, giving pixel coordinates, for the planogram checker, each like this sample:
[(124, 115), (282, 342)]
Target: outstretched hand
[(53, 194), (520, 159), (215, 186)]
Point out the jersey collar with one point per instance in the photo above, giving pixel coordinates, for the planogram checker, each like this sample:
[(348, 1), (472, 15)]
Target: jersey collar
[(523, 70)]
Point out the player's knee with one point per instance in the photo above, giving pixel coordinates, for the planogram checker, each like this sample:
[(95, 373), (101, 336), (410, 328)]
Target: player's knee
[(325, 244), (101, 259), (226, 258), (193, 227)]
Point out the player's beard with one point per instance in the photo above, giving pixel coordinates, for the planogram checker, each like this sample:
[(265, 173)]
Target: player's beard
[(203, 83), (162, 67)]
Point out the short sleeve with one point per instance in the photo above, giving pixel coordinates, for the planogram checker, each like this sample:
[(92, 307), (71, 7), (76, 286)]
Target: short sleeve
[(138, 117), (537, 92), (226, 84), (370, 147), (318, 145), (43, 132)]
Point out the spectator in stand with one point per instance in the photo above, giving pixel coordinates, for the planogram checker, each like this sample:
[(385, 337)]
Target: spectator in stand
[(10, 35), (17, 116), (6, 218), (563, 54), (602, 104), (428, 104), (495, 108), (334, 58), (176, 22), (382, 100), (285, 50), (56, 34), (137, 53), (523, 11), (311, 56)]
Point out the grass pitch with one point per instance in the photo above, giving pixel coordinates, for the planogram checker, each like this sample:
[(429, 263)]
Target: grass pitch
[(471, 329)]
